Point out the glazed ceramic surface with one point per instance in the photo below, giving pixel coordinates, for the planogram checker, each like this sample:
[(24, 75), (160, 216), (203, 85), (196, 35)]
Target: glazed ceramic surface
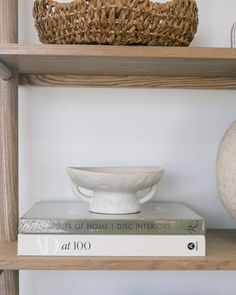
[(226, 170), (115, 188)]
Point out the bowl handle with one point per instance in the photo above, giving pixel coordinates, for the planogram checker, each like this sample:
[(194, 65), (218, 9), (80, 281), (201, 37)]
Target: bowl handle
[(149, 195), (76, 190)]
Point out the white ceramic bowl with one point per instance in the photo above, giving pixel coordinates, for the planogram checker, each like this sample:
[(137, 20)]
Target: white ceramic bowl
[(114, 188)]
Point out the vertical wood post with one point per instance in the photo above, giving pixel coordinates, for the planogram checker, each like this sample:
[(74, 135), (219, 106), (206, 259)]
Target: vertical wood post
[(9, 146)]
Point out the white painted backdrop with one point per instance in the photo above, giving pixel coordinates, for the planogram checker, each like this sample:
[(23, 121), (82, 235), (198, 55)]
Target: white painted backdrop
[(178, 129)]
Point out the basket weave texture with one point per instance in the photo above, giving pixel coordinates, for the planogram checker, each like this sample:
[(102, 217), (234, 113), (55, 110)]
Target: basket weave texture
[(116, 22)]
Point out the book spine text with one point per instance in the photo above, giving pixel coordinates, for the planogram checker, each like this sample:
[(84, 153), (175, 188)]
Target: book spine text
[(111, 245), (57, 226)]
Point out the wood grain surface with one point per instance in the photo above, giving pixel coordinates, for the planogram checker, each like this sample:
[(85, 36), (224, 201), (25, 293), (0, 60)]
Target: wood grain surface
[(5, 72), (221, 255), (120, 60), (9, 146), (8, 159), (128, 81)]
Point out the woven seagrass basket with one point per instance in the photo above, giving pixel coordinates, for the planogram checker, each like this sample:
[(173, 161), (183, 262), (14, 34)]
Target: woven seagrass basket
[(116, 22)]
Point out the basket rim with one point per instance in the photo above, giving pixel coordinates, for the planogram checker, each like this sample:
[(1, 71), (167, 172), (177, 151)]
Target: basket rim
[(167, 3)]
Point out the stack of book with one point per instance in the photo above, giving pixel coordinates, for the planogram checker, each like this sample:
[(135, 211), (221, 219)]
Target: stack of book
[(68, 229)]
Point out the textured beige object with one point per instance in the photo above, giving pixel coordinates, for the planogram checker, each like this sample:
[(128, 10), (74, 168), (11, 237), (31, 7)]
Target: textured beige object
[(226, 170), (115, 188), (116, 22)]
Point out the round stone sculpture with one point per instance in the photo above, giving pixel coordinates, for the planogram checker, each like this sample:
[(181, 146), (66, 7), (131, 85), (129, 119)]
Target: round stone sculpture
[(226, 170)]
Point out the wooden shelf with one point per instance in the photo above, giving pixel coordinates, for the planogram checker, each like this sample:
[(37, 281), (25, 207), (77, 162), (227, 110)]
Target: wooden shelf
[(136, 66), (221, 255)]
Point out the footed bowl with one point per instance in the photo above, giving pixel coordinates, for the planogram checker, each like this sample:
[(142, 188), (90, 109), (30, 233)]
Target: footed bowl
[(115, 188)]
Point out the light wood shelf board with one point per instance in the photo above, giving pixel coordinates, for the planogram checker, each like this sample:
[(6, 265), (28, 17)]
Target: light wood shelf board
[(221, 255), (128, 81), (120, 60)]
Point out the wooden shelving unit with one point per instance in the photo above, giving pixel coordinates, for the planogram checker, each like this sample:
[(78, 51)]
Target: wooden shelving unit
[(110, 66), (221, 255)]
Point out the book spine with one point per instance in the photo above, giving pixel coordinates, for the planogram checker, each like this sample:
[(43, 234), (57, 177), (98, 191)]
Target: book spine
[(111, 245), (150, 227)]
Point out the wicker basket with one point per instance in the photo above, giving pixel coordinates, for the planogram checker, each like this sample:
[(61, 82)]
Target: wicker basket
[(116, 22)]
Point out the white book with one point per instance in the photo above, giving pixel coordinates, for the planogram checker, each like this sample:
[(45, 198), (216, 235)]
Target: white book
[(110, 245)]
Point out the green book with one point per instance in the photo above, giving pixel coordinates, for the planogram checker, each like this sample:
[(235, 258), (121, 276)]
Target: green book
[(73, 217)]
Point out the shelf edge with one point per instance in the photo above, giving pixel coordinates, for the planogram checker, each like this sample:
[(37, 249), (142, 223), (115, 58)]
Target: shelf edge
[(43, 80)]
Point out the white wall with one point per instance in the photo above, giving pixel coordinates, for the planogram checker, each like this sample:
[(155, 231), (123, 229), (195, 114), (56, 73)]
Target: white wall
[(178, 129)]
